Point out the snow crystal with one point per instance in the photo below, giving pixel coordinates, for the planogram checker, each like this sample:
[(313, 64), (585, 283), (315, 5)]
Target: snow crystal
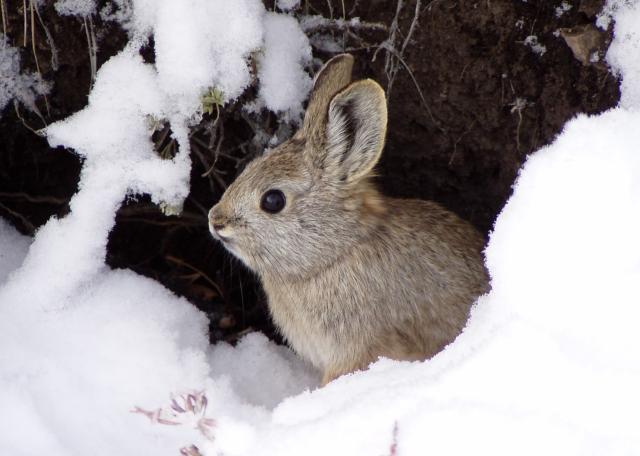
[(563, 8), (120, 11), (283, 82), (532, 42), (82, 8), (287, 5), (23, 87)]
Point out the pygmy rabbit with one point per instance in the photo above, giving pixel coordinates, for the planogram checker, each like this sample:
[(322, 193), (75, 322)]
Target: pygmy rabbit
[(350, 274)]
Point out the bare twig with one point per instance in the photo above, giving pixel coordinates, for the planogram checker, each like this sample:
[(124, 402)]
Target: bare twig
[(415, 83), (3, 11), (25, 222), (455, 144), (519, 105), (24, 15), (92, 47), (183, 263), (16, 106), (393, 57), (33, 199), (315, 24), (33, 48), (52, 47)]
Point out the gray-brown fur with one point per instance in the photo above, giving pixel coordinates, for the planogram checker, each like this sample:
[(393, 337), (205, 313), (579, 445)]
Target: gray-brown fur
[(350, 275)]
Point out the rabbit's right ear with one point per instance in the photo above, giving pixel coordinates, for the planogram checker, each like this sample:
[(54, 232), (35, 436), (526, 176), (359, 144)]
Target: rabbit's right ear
[(334, 76)]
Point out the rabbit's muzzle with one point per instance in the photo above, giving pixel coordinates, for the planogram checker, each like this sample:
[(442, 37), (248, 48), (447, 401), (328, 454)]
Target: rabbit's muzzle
[(218, 224)]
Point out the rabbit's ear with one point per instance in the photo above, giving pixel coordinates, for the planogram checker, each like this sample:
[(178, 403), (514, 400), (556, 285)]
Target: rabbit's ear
[(334, 76), (355, 130)]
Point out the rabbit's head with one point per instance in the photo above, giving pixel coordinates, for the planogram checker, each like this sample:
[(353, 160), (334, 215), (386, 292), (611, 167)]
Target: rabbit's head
[(298, 207)]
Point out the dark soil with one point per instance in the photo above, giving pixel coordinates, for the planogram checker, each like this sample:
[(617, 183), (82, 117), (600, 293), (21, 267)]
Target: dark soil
[(489, 101)]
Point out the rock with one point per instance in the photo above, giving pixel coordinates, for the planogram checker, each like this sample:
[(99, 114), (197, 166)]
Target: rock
[(587, 42)]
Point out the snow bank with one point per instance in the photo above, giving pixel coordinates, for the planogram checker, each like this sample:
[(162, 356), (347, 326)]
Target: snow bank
[(13, 249), (624, 50), (549, 362)]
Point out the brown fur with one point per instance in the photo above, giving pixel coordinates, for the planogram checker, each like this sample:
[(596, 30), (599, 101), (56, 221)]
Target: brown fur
[(350, 274)]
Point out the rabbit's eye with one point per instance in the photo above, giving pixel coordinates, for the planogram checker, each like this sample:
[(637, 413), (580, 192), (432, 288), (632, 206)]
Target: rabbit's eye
[(273, 201)]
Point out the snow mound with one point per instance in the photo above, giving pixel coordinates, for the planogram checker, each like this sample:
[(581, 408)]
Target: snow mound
[(13, 249)]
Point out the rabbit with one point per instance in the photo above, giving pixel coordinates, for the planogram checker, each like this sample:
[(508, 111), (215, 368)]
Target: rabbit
[(350, 275)]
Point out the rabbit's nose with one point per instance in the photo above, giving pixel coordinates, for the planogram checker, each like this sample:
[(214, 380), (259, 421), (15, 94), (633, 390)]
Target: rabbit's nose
[(215, 218), (217, 221)]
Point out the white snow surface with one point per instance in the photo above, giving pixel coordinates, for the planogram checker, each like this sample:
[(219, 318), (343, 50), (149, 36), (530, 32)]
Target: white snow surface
[(549, 362), (283, 82), (13, 249)]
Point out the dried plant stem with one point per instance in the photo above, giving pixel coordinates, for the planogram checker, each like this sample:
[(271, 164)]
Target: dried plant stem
[(32, 7), (52, 47), (25, 222), (3, 10), (24, 122), (92, 47), (24, 15), (183, 263), (33, 199)]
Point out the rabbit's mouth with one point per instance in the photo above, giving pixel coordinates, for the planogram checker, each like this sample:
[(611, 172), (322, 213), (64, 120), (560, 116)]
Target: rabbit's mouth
[(226, 240)]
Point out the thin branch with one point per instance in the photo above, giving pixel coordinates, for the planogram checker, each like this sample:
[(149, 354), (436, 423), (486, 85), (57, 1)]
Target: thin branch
[(24, 15), (16, 106), (33, 199), (92, 47), (52, 46), (3, 10), (27, 224), (35, 54), (183, 263)]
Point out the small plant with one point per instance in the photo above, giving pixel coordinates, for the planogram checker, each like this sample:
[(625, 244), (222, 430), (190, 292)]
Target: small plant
[(186, 408), (212, 99)]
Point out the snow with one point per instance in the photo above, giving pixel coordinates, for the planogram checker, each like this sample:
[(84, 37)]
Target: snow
[(103, 362), (288, 5), (14, 249), (205, 45), (563, 8), (82, 8), (624, 49), (532, 42), (283, 81), (15, 85)]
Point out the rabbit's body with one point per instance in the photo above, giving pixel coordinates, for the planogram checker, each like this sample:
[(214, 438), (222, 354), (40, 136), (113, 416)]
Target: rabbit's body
[(416, 299), (350, 275)]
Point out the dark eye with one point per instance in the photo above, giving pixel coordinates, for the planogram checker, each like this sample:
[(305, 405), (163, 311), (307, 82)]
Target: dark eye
[(273, 201)]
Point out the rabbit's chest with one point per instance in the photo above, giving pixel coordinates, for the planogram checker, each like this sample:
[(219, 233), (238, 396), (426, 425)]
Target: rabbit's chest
[(309, 325)]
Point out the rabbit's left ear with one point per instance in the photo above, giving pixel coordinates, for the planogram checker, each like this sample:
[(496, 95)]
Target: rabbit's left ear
[(355, 130)]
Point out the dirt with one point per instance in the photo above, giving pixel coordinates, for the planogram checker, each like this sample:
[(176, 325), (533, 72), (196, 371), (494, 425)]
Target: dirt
[(490, 100), (469, 102)]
